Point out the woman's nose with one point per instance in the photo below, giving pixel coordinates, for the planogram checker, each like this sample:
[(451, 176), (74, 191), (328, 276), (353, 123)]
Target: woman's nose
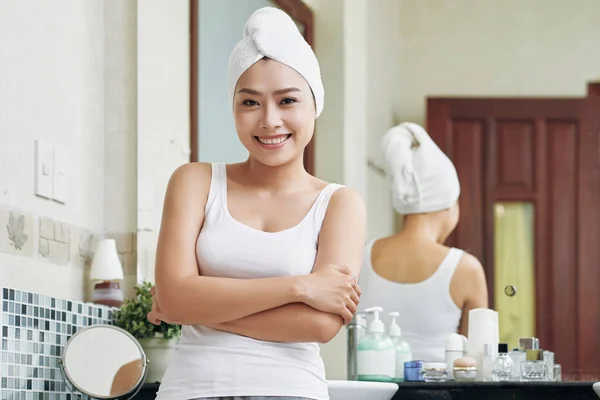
[(271, 118)]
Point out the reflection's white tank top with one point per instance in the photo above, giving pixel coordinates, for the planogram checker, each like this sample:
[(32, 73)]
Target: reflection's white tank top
[(427, 312)]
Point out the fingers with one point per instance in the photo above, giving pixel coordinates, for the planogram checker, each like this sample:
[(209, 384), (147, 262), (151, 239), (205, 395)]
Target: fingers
[(357, 290), (355, 298), (347, 316), (351, 306), (152, 318), (153, 290)]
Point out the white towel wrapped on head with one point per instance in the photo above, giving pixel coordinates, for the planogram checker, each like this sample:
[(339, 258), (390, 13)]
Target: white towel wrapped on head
[(271, 33), (423, 178)]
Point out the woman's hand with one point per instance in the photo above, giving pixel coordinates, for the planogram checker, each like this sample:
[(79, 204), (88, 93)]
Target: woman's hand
[(332, 289)]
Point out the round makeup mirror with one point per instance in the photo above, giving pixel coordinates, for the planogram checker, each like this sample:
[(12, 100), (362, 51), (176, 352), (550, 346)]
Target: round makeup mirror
[(104, 362)]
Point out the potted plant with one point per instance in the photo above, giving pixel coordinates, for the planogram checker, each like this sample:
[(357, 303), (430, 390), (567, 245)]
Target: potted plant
[(158, 341)]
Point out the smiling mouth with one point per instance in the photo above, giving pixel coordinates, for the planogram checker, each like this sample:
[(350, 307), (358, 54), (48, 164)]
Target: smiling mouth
[(273, 140)]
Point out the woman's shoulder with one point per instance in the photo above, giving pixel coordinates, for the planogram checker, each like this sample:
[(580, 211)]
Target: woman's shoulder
[(192, 170), (469, 267), (194, 177), (346, 199)]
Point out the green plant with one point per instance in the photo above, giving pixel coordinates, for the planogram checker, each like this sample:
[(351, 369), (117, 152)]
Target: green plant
[(132, 316)]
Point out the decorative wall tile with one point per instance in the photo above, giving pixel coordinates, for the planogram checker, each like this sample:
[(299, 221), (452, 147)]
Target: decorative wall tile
[(79, 246), (34, 330), (61, 232), (58, 242), (16, 233), (46, 228)]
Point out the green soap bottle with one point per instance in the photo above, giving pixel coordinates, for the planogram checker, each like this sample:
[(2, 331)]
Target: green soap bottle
[(376, 355), (403, 350)]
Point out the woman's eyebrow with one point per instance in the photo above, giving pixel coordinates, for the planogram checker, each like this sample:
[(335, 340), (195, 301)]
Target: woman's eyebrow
[(277, 92)]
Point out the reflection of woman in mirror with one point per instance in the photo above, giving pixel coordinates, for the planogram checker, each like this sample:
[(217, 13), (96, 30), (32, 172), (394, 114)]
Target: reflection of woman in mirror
[(433, 287), (258, 260), (126, 378)]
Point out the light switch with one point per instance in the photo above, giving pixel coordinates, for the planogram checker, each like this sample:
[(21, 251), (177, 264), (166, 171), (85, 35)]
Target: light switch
[(44, 164), (61, 177)]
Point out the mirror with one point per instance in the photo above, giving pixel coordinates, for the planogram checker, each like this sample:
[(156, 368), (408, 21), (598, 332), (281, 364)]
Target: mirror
[(104, 362)]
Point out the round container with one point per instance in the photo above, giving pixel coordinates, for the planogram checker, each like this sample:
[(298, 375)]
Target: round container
[(412, 371), (434, 372), (465, 374)]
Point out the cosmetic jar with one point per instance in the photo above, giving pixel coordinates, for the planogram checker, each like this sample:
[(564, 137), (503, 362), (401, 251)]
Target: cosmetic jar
[(434, 372), (465, 369), (412, 371)]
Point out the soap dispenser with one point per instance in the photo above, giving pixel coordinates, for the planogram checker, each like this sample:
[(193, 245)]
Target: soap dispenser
[(403, 351), (376, 352)]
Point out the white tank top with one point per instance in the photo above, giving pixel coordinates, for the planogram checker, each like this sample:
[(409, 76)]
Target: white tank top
[(211, 363), (427, 312)]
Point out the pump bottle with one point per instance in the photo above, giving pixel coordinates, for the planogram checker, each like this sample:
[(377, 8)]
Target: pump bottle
[(376, 352), (402, 348)]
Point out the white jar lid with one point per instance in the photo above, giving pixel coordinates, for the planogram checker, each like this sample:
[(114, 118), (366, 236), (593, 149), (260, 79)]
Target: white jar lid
[(434, 365)]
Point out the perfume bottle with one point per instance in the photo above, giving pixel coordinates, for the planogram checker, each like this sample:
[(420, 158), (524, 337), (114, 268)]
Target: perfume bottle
[(534, 368), (488, 363), (503, 365), (517, 356)]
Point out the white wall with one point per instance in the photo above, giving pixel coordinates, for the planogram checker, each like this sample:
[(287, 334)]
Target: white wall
[(506, 48), (163, 118), (51, 87), (88, 76)]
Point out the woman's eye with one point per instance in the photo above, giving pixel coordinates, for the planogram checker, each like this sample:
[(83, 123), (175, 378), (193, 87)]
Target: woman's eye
[(250, 103), (288, 101)]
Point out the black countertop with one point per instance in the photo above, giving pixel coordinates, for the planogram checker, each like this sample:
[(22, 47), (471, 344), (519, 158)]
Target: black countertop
[(470, 391), (495, 391)]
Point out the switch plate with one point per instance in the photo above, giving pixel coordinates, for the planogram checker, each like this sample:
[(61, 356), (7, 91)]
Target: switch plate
[(61, 177), (44, 165)]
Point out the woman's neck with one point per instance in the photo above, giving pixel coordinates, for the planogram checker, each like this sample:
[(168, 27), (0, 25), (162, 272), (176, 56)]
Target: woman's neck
[(281, 178), (424, 227)]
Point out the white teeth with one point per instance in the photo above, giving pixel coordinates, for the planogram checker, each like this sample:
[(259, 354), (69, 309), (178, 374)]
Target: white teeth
[(273, 141)]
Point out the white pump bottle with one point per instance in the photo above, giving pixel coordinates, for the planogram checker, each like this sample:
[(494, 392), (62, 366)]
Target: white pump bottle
[(376, 354), (403, 350)]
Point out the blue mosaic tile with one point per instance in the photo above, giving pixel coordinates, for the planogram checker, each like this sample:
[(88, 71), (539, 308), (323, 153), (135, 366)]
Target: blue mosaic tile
[(33, 332)]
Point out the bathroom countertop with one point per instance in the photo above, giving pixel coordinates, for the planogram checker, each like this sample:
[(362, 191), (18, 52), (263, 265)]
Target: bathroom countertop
[(495, 391), (470, 391)]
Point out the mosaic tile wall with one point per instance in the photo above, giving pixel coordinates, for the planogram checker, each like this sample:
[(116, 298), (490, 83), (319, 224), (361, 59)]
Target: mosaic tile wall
[(35, 329)]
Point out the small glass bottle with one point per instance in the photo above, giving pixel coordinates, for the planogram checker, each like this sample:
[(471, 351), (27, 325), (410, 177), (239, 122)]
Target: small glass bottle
[(488, 363), (534, 368), (517, 356), (503, 365)]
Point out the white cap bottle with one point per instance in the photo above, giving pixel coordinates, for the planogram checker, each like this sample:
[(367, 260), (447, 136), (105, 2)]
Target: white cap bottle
[(401, 347), (376, 353)]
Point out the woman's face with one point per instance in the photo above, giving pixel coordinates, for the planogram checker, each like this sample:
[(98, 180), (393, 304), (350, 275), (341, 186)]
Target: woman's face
[(274, 112)]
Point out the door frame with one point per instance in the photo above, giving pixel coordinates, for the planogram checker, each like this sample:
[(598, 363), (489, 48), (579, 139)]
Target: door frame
[(296, 9)]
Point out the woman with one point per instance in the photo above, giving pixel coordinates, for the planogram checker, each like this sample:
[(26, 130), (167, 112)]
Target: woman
[(433, 287), (258, 260)]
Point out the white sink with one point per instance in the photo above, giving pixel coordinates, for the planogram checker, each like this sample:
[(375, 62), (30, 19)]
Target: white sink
[(596, 387), (355, 390)]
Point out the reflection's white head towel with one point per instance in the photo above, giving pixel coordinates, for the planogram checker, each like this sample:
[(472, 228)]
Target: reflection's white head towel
[(271, 33), (423, 178)]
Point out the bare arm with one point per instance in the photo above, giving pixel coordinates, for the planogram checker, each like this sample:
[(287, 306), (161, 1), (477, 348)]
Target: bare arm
[(184, 295), (341, 242), (472, 278)]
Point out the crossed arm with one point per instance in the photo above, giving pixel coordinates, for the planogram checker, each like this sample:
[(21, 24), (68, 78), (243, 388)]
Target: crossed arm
[(271, 309)]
